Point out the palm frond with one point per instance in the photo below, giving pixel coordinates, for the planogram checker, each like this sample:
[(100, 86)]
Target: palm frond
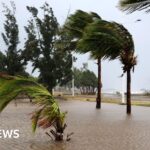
[(123, 35), (107, 40), (76, 22), (134, 5), (101, 40), (48, 109), (128, 60)]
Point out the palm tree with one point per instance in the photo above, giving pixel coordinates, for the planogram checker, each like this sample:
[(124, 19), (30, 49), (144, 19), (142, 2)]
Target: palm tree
[(129, 61), (75, 26), (47, 113), (127, 57), (134, 5), (105, 40), (95, 39), (110, 40)]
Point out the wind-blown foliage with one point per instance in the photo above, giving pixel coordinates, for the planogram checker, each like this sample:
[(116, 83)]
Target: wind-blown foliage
[(13, 62), (134, 5), (108, 40), (46, 115), (100, 39), (127, 57), (77, 22), (54, 63)]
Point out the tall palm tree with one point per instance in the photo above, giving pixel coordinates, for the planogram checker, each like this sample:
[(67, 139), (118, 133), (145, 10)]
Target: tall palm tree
[(47, 113), (111, 40), (134, 5), (95, 39), (127, 57), (75, 26)]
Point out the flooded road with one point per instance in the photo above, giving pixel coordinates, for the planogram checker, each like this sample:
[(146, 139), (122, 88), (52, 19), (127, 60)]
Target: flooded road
[(106, 129)]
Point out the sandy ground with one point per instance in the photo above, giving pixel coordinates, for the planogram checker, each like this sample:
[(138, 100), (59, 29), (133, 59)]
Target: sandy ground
[(106, 129)]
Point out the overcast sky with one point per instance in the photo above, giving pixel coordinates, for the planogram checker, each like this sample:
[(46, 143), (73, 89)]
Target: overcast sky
[(108, 10)]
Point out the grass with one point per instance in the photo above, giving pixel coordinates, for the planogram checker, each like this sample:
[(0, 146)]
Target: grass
[(104, 100), (141, 103)]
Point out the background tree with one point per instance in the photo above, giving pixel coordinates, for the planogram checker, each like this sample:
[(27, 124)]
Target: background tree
[(85, 80), (77, 78), (134, 5), (13, 63), (53, 62), (88, 82)]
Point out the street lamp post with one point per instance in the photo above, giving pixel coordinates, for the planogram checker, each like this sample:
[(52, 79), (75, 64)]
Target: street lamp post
[(72, 76), (122, 92)]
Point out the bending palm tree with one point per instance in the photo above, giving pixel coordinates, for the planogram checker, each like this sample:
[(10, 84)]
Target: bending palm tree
[(134, 5), (47, 114), (126, 57), (95, 39), (75, 26), (110, 40)]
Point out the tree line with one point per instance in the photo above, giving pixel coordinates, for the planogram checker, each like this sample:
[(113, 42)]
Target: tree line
[(85, 80)]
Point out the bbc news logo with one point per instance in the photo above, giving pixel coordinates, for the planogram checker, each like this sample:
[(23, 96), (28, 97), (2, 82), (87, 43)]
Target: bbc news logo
[(9, 134)]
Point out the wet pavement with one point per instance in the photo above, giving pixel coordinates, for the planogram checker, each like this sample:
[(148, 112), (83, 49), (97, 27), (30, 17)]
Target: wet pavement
[(106, 129)]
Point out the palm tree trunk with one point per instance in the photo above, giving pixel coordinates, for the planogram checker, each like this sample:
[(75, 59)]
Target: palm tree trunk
[(128, 91), (98, 100)]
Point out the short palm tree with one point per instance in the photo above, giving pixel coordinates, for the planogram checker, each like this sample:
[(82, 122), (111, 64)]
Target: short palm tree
[(47, 113), (134, 5)]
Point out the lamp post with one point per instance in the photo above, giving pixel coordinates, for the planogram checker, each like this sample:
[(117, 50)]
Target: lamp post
[(123, 89), (72, 76)]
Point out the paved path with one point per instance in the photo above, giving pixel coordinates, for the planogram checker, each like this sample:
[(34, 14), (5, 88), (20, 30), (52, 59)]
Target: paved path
[(106, 129)]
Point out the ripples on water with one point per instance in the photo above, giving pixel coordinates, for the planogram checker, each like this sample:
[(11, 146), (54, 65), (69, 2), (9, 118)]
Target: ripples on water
[(106, 129)]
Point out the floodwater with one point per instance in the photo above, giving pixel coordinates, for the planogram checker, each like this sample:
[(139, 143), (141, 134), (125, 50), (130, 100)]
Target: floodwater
[(106, 129)]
